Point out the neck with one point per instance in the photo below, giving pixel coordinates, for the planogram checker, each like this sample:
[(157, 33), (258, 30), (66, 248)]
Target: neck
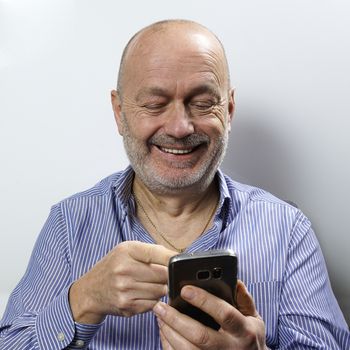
[(176, 204), (175, 221)]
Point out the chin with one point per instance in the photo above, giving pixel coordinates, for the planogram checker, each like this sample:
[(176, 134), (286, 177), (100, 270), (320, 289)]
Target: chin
[(185, 180)]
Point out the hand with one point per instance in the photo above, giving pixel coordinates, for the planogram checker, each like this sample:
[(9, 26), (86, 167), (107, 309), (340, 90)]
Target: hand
[(241, 328), (129, 280)]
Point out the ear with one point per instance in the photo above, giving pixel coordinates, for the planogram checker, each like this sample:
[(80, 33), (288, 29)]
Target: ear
[(231, 107), (117, 110)]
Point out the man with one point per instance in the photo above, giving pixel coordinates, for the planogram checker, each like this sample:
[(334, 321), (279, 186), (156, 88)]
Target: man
[(97, 278)]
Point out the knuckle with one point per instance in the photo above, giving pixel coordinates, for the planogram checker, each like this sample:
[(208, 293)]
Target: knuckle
[(250, 336), (121, 285), (254, 335), (201, 300), (124, 303), (123, 270), (252, 340), (171, 319), (202, 337), (146, 256), (123, 246), (126, 247), (159, 291), (228, 318)]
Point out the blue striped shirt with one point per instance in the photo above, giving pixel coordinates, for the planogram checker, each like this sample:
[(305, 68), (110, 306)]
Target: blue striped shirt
[(280, 262)]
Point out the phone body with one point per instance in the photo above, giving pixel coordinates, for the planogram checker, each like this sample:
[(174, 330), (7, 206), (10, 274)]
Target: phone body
[(214, 270)]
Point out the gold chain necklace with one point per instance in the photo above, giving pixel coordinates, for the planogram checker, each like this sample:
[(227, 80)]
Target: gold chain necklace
[(180, 250)]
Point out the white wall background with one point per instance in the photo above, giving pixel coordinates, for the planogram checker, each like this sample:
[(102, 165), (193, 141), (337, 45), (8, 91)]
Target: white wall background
[(290, 65)]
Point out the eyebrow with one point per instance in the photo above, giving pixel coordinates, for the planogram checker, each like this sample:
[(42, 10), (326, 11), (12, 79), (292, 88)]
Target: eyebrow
[(205, 89), (197, 90), (151, 91)]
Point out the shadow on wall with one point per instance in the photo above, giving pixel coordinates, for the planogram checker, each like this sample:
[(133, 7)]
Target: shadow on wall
[(257, 155), (268, 156)]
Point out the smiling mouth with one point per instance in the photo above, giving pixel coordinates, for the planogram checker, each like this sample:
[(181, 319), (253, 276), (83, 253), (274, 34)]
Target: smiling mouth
[(176, 151)]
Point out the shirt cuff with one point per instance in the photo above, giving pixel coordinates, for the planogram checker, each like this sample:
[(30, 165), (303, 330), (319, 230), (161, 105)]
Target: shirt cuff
[(83, 335), (57, 330), (54, 324)]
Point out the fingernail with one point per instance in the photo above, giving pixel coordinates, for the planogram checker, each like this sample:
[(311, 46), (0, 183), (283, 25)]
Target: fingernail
[(159, 309), (187, 293)]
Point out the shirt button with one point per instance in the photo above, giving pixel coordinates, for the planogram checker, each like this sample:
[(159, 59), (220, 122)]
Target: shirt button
[(79, 343), (60, 336)]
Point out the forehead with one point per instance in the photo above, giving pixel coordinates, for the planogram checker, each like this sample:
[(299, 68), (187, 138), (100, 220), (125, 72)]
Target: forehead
[(176, 57)]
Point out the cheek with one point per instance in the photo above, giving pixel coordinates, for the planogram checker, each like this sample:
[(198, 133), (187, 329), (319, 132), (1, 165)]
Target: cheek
[(142, 127), (213, 129)]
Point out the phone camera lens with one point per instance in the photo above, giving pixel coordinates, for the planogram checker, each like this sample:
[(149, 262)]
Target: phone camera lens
[(217, 272), (203, 275)]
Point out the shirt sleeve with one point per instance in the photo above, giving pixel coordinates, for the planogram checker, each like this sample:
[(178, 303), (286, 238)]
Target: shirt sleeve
[(310, 317), (38, 314)]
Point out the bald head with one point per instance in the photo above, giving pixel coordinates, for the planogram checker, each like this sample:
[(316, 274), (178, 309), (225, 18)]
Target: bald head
[(169, 35)]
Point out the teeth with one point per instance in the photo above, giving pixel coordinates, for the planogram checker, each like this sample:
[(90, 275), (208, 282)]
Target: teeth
[(176, 151)]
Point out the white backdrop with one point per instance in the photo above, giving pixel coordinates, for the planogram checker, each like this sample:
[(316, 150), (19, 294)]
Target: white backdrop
[(290, 66)]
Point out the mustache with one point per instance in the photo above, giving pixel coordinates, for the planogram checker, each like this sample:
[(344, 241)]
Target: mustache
[(192, 140)]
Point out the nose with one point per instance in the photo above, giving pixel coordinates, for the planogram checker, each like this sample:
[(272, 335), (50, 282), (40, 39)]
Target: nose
[(178, 123)]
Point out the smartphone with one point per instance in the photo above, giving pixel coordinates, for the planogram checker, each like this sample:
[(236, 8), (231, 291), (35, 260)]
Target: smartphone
[(214, 270)]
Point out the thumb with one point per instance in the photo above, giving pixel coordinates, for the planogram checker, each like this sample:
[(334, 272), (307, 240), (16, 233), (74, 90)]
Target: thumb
[(245, 302)]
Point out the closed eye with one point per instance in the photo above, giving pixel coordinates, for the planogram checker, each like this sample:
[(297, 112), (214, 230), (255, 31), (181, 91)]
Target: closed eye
[(202, 105), (154, 107)]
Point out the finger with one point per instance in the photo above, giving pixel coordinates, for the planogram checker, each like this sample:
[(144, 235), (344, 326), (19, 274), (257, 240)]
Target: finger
[(142, 290), (134, 307), (165, 343), (245, 302), (150, 253), (226, 315), (180, 329), (142, 272), (172, 339)]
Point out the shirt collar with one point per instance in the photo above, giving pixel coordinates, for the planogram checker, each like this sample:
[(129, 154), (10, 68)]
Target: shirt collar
[(225, 201), (123, 187)]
